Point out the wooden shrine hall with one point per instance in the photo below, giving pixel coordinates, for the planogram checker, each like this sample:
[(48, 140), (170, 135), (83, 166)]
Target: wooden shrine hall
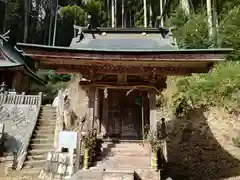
[(125, 69)]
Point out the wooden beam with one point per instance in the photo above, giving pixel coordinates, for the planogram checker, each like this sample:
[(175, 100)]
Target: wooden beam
[(153, 116), (58, 54), (135, 71), (90, 114)]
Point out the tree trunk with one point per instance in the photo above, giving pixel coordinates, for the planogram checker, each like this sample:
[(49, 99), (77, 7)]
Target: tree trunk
[(145, 12), (113, 13), (50, 24), (123, 14), (215, 25), (212, 20), (26, 20), (108, 14), (185, 7), (55, 22), (150, 16), (161, 12)]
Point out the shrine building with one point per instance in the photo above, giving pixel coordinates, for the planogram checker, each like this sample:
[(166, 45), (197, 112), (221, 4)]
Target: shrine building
[(124, 70)]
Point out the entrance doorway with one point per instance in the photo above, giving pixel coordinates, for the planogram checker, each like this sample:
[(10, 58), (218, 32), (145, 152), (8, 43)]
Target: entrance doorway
[(124, 114)]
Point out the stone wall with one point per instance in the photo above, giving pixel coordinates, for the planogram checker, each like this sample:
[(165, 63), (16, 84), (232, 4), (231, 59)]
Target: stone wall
[(201, 147), (19, 121)]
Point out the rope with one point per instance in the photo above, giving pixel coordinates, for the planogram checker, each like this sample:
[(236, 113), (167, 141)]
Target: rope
[(132, 87)]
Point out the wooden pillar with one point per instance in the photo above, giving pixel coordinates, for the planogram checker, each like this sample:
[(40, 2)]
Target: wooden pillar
[(104, 120), (96, 111), (90, 116), (143, 117), (153, 113)]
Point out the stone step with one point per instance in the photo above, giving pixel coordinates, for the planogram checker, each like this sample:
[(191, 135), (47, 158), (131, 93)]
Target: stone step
[(48, 107), (125, 153), (125, 149), (34, 170), (126, 145), (34, 163), (87, 175), (118, 165), (118, 174), (131, 159), (45, 126), (124, 162), (42, 140), (44, 131), (46, 118), (37, 157), (50, 113), (43, 145), (46, 123), (42, 151), (43, 136), (47, 114)]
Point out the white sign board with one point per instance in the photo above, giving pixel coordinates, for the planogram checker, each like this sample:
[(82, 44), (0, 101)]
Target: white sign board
[(68, 139)]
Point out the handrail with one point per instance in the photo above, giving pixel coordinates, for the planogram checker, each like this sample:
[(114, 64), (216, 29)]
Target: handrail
[(30, 100), (18, 99), (59, 119)]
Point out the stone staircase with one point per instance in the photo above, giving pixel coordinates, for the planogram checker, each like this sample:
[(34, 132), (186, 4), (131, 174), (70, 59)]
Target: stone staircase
[(124, 155), (125, 160), (42, 140)]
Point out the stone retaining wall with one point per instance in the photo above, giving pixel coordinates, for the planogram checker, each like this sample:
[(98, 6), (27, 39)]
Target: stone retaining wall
[(19, 114)]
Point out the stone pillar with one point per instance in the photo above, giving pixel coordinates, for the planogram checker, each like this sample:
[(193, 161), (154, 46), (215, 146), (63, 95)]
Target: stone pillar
[(90, 114), (153, 112)]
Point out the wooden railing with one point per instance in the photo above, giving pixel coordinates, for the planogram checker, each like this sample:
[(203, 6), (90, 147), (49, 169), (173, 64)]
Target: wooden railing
[(19, 99)]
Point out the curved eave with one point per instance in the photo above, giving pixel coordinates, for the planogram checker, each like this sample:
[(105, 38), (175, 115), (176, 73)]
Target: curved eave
[(127, 51), (26, 69)]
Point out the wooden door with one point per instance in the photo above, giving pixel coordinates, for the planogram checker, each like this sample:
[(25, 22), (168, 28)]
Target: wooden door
[(114, 113), (129, 124), (123, 115)]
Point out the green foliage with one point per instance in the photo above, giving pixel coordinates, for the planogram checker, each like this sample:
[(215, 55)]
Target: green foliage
[(178, 18), (96, 9), (54, 83), (90, 140), (229, 31), (76, 12), (220, 88), (191, 33), (154, 141)]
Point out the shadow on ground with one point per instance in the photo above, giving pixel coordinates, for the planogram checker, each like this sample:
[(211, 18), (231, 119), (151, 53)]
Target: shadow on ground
[(195, 154)]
